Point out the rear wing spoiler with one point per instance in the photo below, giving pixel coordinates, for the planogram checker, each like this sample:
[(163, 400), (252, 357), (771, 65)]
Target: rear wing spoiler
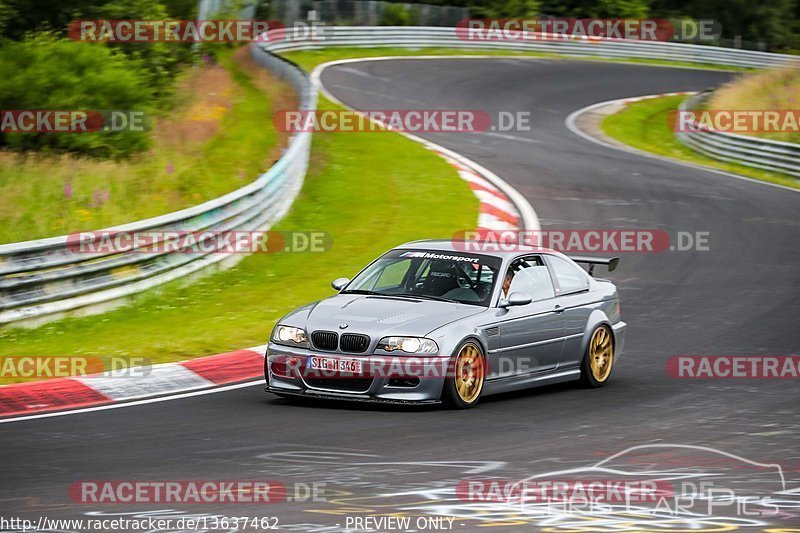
[(610, 262)]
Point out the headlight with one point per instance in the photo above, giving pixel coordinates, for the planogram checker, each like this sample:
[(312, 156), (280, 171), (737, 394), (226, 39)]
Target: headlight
[(290, 335), (408, 345)]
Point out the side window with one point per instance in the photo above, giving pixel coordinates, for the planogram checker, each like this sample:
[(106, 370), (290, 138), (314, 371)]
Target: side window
[(535, 280), (570, 278), (532, 276)]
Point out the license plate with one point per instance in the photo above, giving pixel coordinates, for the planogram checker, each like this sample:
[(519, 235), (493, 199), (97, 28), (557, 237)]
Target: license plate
[(336, 364)]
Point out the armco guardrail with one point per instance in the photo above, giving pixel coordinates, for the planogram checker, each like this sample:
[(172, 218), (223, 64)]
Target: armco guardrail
[(742, 149), (438, 37), (43, 278)]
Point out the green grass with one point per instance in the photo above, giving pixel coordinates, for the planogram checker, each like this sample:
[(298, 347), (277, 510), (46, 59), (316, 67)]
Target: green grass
[(310, 58), (645, 125), (171, 176), (369, 191)]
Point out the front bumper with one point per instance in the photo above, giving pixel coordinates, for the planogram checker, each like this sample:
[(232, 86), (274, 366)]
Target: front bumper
[(378, 387), (310, 393)]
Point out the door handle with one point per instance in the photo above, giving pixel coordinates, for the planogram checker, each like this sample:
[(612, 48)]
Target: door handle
[(559, 309)]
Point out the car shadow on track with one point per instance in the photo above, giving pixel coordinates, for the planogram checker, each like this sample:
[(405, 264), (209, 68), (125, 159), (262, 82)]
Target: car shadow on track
[(549, 392), (344, 405)]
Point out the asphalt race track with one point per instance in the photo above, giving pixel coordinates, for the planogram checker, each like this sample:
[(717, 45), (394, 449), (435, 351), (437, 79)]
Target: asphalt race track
[(740, 297)]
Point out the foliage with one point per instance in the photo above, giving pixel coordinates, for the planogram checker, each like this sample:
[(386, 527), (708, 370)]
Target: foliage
[(505, 9), (766, 24), (52, 74), (396, 15), (160, 61)]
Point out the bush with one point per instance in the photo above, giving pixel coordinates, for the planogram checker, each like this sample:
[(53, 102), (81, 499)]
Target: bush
[(46, 73), (161, 61), (395, 15)]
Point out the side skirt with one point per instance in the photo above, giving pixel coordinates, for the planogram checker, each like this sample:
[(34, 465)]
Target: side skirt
[(529, 381)]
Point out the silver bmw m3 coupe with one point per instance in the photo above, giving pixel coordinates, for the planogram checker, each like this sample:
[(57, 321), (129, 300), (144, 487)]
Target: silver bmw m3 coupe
[(438, 321)]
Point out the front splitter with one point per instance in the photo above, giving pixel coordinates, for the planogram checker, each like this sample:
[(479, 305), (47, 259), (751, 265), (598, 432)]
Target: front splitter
[(363, 398)]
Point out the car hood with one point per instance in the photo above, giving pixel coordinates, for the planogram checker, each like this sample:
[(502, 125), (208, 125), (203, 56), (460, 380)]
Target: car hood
[(379, 316)]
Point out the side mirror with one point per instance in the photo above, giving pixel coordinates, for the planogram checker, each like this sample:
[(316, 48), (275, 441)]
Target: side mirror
[(340, 283), (516, 298)]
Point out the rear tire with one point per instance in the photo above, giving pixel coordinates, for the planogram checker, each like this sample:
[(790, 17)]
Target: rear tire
[(467, 371), (598, 361)]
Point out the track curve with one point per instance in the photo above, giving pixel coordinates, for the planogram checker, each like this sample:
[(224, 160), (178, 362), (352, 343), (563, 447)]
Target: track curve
[(738, 298)]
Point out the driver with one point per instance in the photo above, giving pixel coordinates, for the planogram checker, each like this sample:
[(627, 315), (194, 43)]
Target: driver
[(507, 282), (512, 269)]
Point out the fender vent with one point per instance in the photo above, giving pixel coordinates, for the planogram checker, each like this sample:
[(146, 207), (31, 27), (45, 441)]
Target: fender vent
[(493, 331)]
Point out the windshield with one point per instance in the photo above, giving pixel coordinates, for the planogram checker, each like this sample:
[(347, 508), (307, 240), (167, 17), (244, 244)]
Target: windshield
[(431, 274)]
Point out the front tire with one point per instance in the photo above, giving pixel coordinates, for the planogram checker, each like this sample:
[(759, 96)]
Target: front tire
[(464, 384), (598, 360)]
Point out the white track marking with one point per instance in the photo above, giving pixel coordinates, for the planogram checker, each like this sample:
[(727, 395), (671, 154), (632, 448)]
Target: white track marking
[(134, 403), (571, 123), (509, 137), (119, 388), (160, 379), (495, 201), (491, 222)]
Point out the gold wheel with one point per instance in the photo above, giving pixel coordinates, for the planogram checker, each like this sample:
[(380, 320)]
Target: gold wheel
[(601, 353), (469, 373)]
